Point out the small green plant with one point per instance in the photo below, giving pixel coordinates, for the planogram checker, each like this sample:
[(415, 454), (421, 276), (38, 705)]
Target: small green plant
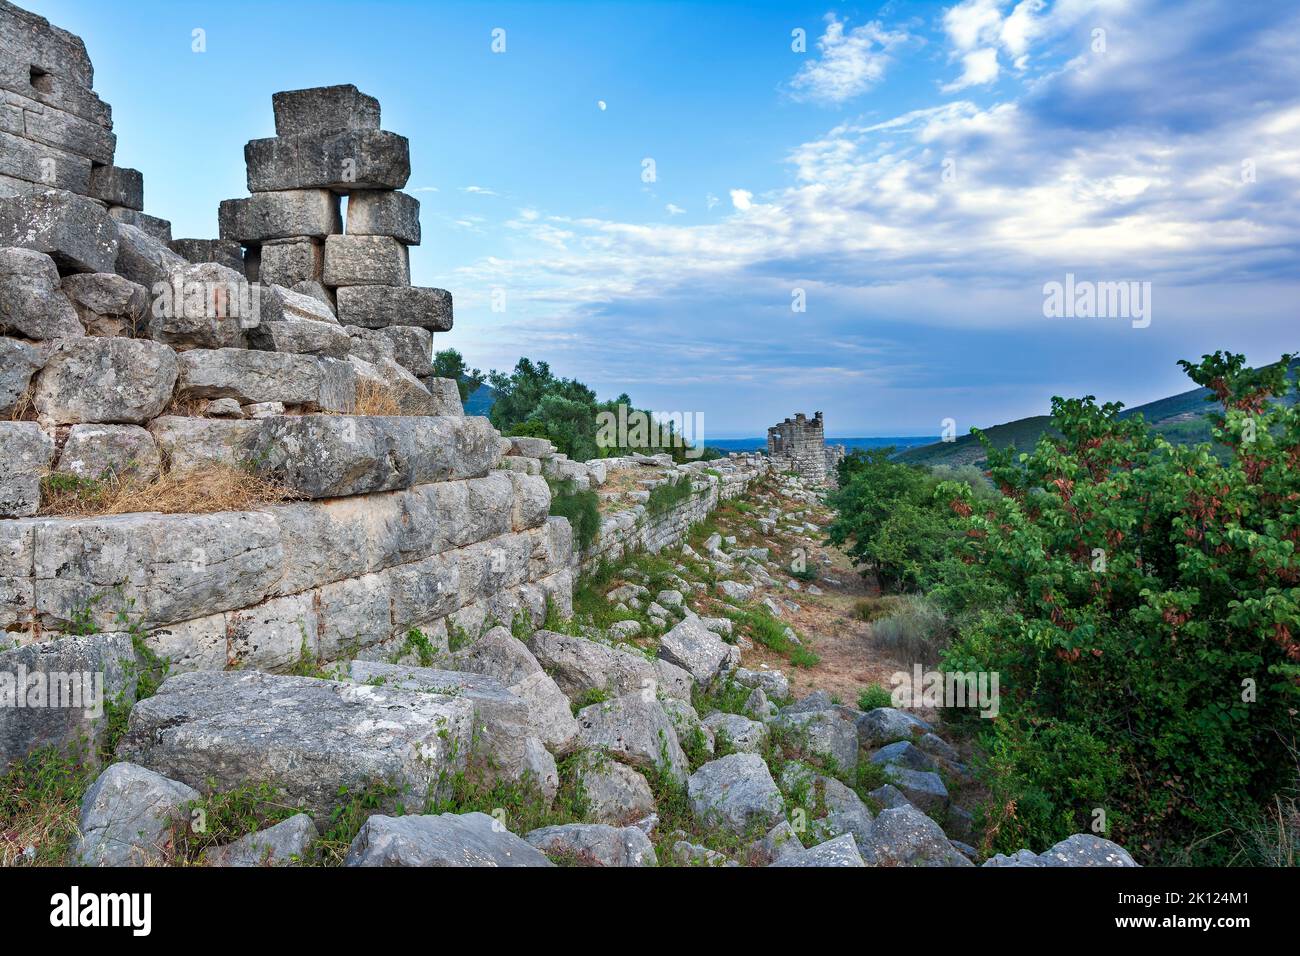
[(667, 496), (418, 644), (873, 697), (582, 508)]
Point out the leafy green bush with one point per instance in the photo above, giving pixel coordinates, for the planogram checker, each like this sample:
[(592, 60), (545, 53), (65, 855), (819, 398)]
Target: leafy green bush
[(873, 697), (580, 507), (1148, 657), (667, 496)]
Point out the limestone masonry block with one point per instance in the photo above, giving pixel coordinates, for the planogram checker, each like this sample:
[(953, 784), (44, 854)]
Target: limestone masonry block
[(287, 262), (226, 252), (302, 337), (384, 213), (159, 229), (117, 186), (105, 380), (76, 233), (59, 91), (142, 257), (66, 131), (324, 109), (282, 214), (31, 302), (342, 161), (19, 361), (100, 451), (43, 165), (203, 305), (366, 260), (25, 455), (314, 384), (379, 306), (107, 304), (33, 40)]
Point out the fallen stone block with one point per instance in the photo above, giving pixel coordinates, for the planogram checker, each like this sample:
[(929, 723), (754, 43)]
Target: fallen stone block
[(151, 226), (840, 851), (328, 456), (379, 306), (366, 260), (283, 214), (885, 725), (222, 730), (250, 376), (341, 161), (287, 843), (56, 694), (104, 451), (449, 839), (302, 337), (75, 232), (117, 186), (580, 666), (324, 109), (108, 304), (143, 257), (744, 735), (904, 836), (825, 733), (636, 731), (594, 844), (616, 794), (31, 302), (923, 789), (127, 817), (105, 380), (736, 793), (384, 213), (385, 379), (697, 650), (19, 362), (226, 252), (279, 304)]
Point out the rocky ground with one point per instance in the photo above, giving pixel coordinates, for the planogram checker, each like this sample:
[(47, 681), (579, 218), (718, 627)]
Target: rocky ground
[(698, 709)]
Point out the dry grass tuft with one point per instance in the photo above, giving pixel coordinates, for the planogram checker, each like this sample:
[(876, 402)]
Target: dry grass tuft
[(24, 409), (376, 398), (214, 488)]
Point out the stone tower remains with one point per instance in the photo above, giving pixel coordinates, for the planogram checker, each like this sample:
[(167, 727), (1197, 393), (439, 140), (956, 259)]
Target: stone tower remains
[(799, 444)]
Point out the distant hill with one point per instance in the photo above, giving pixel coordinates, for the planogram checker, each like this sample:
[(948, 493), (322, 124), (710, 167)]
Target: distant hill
[(1181, 418)]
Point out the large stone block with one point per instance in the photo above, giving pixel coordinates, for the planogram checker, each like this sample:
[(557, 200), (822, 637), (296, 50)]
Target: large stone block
[(193, 444), (287, 262), (25, 456), (203, 305), (52, 126), (101, 451), (31, 303), (469, 839), (384, 213), (412, 349), (226, 252), (142, 257), (248, 376), (341, 161), (18, 76), (75, 232), (19, 361), (108, 304), (302, 337), (55, 693), (127, 817), (118, 187), (312, 739), (46, 49), (736, 793), (324, 109), (580, 666), (389, 378), (635, 731), (42, 165), (160, 229), (281, 214), (366, 260), (105, 380), (327, 456), (379, 306)]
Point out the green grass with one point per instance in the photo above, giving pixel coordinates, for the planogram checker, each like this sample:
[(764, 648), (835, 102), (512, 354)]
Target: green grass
[(582, 508), (759, 624)]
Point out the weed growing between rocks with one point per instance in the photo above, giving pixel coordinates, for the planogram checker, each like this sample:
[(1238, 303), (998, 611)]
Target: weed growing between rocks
[(211, 489), (375, 398), (581, 507)]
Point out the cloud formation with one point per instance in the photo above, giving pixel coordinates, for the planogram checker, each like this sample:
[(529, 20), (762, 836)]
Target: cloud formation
[(852, 61)]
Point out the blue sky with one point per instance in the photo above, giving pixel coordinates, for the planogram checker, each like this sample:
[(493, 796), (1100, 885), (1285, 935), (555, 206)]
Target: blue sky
[(1119, 141)]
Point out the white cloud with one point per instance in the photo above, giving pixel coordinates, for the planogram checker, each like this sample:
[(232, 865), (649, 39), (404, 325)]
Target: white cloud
[(742, 199), (674, 210), (851, 62), (978, 68), (477, 190)]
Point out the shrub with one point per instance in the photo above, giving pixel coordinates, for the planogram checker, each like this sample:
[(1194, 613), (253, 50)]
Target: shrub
[(667, 496), (582, 508), (873, 697), (915, 631)]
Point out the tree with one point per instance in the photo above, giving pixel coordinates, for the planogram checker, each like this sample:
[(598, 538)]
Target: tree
[(449, 363)]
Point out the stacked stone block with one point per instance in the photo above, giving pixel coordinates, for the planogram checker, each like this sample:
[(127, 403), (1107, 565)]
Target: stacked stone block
[(799, 444), (329, 146)]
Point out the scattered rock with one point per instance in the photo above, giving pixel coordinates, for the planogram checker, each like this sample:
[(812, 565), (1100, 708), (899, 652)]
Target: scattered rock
[(285, 844), (127, 816), (595, 844), (448, 839), (736, 793)]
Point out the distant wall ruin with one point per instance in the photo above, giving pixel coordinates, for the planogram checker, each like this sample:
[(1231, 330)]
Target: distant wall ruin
[(798, 444)]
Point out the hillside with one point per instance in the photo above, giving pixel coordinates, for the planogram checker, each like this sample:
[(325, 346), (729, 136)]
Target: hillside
[(1180, 418)]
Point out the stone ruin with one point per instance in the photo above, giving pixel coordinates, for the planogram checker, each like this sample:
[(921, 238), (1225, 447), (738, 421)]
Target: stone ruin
[(799, 445)]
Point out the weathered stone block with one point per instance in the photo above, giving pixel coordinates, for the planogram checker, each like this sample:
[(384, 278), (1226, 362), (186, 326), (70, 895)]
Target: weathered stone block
[(45, 166), (635, 731), (287, 262), (142, 257), (192, 444), (52, 126), (100, 451), (31, 303), (366, 260), (303, 337), (327, 456), (391, 379), (127, 816), (470, 839), (282, 214), (202, 305), (341, 161), (225, 730), (118, 186), (19, 361), (54, 693), (226, 252), (285, 844), (324, 109), (379, 306), (160, 229), (25, 455), (384, 213), (46, 48), (107, 304), (248, 376), (105, 380), (17, 75), (76, 233), (412, 349)]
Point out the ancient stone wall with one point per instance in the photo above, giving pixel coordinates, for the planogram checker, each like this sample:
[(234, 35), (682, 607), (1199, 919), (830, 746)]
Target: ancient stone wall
[(293, 349), (799, 444)]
